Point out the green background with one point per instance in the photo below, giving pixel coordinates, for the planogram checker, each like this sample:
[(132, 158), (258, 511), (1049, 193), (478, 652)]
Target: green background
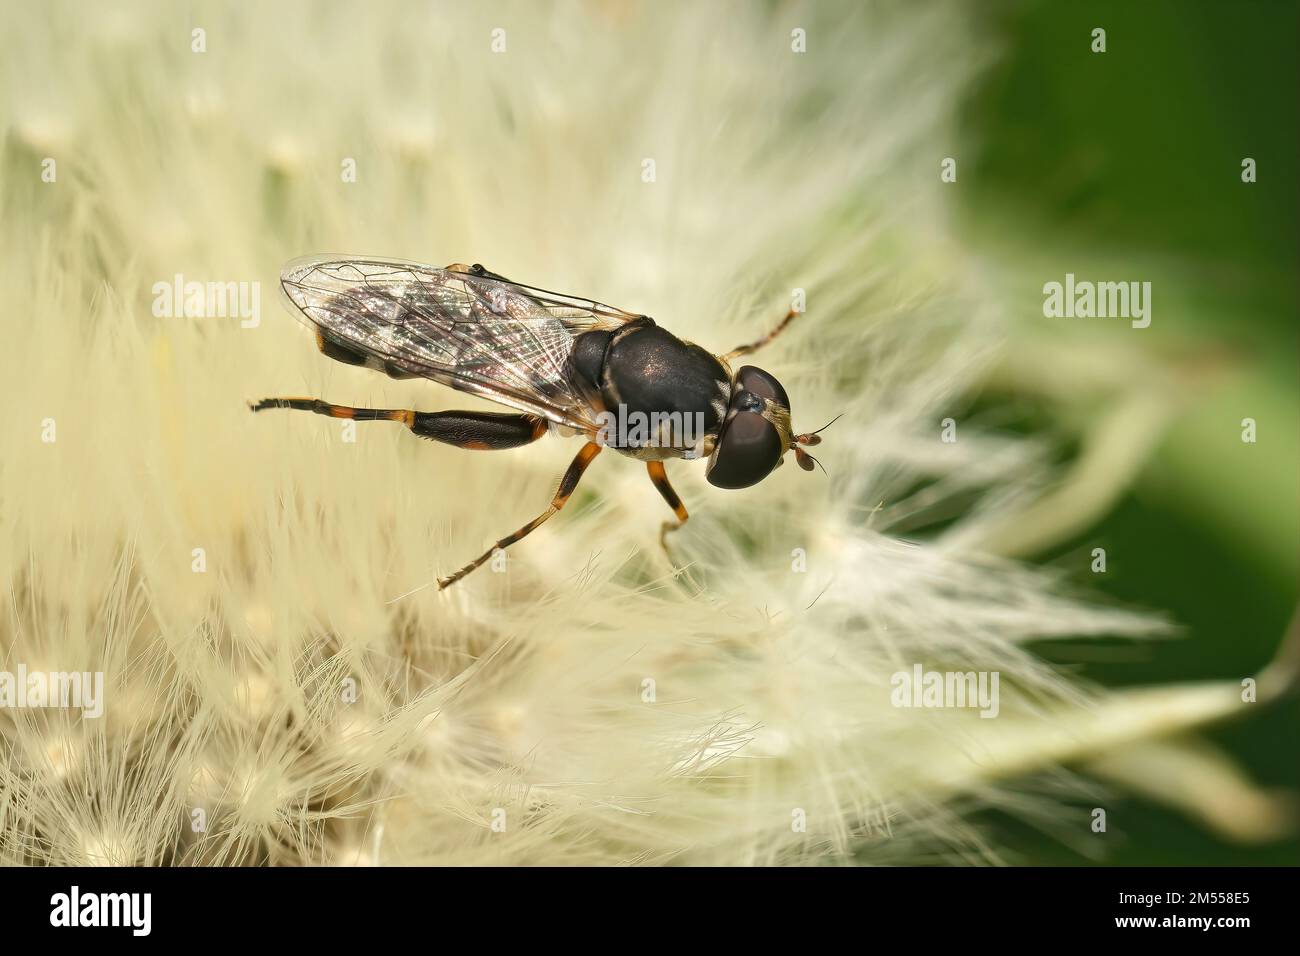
[(1127, 165)]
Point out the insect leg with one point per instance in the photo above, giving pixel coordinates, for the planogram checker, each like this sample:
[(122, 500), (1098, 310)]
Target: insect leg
[(567, 484), (489, 431), (755, 346), (660, 478)]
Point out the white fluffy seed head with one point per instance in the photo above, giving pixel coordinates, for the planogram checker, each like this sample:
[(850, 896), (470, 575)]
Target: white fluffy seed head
[(583, 706)]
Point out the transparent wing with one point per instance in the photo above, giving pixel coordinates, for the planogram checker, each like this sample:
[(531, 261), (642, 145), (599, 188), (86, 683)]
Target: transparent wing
[(505, 342)]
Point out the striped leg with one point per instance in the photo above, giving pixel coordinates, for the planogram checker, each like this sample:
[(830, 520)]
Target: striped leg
[(755, 346), (567, 485), (660, 478), (483, 431)]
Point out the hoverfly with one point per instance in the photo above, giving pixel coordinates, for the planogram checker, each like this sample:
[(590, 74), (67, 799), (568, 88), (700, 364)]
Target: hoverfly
[(562, 363)]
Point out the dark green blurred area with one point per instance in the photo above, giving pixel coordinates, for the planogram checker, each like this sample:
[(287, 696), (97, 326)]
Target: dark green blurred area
[(1127, 165)]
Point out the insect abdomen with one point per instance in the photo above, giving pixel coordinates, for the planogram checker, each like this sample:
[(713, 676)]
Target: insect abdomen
[(349, 356)]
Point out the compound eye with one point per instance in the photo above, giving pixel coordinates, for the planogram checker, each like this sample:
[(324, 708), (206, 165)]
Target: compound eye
[(749, 445), (748, 449), (751, 378)]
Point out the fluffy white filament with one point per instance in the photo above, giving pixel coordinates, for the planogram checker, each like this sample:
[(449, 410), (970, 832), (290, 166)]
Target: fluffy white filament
[(283, 685)]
